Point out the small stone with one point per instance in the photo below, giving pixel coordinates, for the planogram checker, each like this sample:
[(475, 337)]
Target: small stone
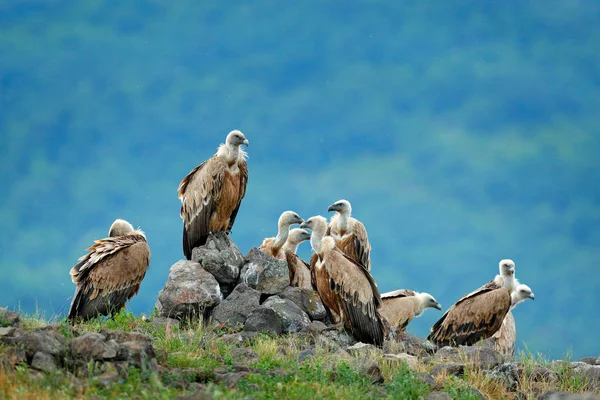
[(237, 306), (7, 331), (369, 369), (555, 395), (481, 357), (230, 379), (43, 362), (263, 319), (12, 357), (293, 319), (264, 273), (244, 355), (363, 349), (107, 379), (308, 300), (438, 396), (307, 353), (93, 346), (8, 318), (428, 380), (448, 369), (189, 293), (587, 360), (339, 338), (45, 340), (411, 361)]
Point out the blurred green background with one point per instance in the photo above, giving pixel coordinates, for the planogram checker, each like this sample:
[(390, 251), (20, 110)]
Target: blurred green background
[(462, 132)]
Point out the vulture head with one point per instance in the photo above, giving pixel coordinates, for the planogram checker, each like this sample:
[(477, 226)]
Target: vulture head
[(341, 206), (288, 218), (507, 268), (119, 228), (427, 301), (298, 235), (522, 292), (317, 224), (236, 138)]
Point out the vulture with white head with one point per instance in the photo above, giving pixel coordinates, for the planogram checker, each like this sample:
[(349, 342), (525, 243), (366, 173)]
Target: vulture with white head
[(350, 234), (111, 273), (479, 314), (273, 246), (346, 287), (212, 192), (401, 306), (504, 340), (298, 268)]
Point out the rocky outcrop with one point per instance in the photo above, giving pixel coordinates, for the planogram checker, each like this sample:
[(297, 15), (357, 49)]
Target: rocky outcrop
[(264, 273), (236, 308), (190, 292)]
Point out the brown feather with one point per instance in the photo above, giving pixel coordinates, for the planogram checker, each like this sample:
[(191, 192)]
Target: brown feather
[(474, 317), (354, 242), (109, 275), (268, 247), (348, 289), (503, 341), (210, 198), (300, 275), (400, 308)]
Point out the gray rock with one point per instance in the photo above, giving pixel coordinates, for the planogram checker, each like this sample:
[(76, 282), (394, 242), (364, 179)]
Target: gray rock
[(308, 300), (438, 396), (307, 353), (190, 292), (482, 357), (361, 349), (455, 369), (43, 362), (264, 273), (12, 356), (369, 369), (263, 319), (428, 380), (590, 374), (237, 306), (313, 330), (587, 360), (45, 340), (8, 318), (230, 379), (337, 338), (221, 257), (107, 379), (411, 361), (139, 354), (477, 393), (554, 395), (406, 343), (7, 331), (244, 355), (93, 346), (293, 319)]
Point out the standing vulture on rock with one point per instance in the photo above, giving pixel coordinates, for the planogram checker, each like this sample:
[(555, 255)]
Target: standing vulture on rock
[(504, 340), (299, 269), (349, 234), (479, 314), (345, 286), (111, 273), (273, 246), (212, 192), (401, 306)]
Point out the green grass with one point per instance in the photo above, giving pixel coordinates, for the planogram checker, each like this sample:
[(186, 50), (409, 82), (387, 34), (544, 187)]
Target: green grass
[(197, 353)]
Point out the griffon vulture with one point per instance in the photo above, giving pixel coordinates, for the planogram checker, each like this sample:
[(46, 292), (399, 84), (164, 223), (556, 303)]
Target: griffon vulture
[(299, 269), (111, 273), (401, 306), (345, 287), (273, 246), (212, 192), (479, 314), (504, 340), (349, 234)]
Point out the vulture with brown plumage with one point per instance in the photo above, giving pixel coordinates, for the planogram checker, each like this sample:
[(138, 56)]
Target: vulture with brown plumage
[(401, 306), (212, 192), (504, 340), (346, 287), (111, 273), (298, 268), (273, 246), (479, 314), (349, 234)]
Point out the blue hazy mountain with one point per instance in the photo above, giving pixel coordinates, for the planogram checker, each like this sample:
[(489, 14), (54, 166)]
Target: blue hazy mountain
[(462, 133)]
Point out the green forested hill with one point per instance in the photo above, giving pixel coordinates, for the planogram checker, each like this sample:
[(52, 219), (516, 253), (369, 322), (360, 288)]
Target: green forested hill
[(462, 133)]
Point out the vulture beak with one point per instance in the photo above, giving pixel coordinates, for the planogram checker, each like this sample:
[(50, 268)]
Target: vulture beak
[(438, 306), (512, 270), (245, 142), (298, 220), (532, 296), (304, 225), (333, 207)]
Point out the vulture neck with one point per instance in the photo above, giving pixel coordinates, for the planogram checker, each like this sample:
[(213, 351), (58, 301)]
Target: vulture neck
[(343, 220), (291, 246), (420, 305), (230, 153), (283, 231), (316, 239)]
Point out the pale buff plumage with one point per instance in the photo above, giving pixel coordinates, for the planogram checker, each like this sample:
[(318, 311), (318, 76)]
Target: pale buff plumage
[(401, 306), (298, 268), (273, 246), (212, 192), (350, 234)]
